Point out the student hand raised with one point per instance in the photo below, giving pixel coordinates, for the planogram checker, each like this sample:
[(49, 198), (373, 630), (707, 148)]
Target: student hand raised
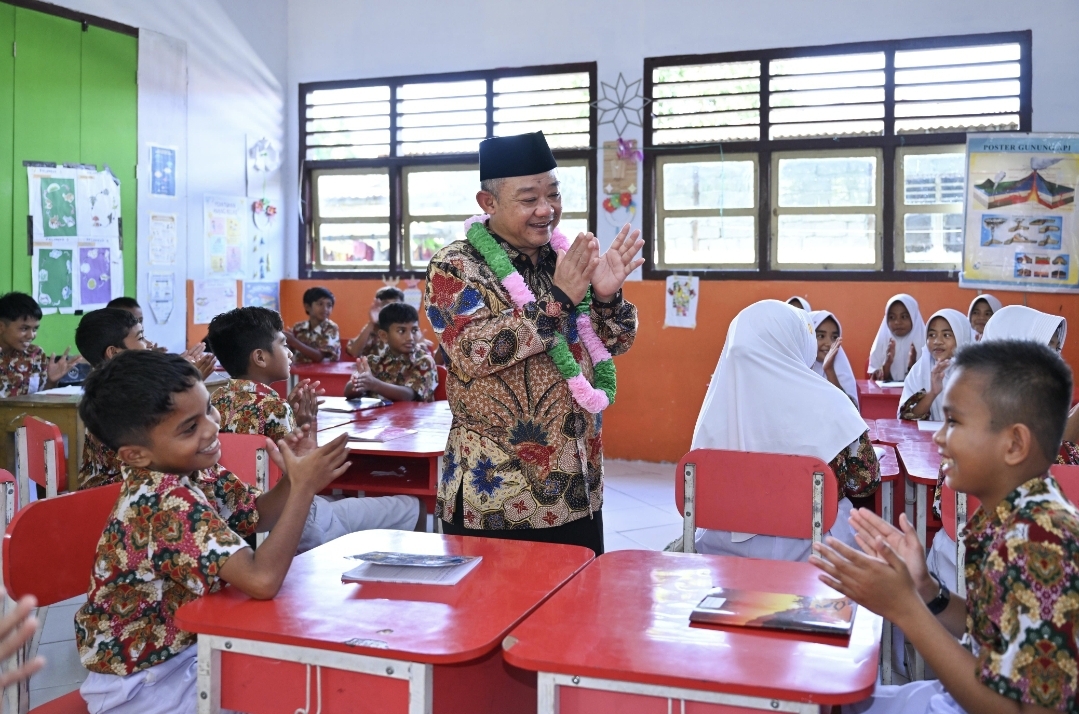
[(889, 354), (317, 469), (301, 440), (881, 583), (574, 268), (936, 376), (829, 359), (617, 263), (304, 401), (59, 366), (869, 528)]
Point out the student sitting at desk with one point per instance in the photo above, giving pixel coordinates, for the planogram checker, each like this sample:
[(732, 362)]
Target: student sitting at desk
[(369, 342), (765, 398), (250, 344), (197, 355), (24, 367), (176, 532), (1005, 408), (100, 336), (832, 362), (900, 336), (316, 339), (981, 309), (404, 370), (947, 331)]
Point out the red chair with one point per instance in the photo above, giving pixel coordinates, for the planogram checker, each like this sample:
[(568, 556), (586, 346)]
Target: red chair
[(245, 455), (54, 564), (440, 388), (37, 443)]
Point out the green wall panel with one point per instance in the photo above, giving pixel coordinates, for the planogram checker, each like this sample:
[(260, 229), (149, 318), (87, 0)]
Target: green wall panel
[(7, 103)]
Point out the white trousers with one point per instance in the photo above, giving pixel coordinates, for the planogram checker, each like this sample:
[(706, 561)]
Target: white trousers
[(773, 547), (941, 559), (328, 519), (915, 698)]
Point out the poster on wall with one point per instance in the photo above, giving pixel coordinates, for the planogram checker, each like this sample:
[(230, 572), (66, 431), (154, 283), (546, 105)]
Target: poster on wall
[(225, 228), (211, 298), (161, 242), (262, 294), (161, 295), (681, 300), (53, 202), (1021, 228), (162, 170)]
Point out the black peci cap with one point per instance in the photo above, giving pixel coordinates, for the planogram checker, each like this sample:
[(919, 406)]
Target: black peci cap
[(520, 155)]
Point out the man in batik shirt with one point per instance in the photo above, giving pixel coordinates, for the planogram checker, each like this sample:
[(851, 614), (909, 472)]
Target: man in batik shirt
[(523, 459)]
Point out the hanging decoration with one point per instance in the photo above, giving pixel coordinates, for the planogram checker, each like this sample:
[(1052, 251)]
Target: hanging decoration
[(621, 104)]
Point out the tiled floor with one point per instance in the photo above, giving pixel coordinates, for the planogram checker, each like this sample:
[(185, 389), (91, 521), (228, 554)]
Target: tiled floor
[(638, 513)]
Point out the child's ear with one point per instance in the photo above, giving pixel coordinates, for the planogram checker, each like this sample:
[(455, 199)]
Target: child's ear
[(1021, 445), (137, 456), (111, 351), (257, 358), (383, 334)]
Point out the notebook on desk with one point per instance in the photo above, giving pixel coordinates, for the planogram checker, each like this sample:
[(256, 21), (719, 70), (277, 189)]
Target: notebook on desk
[(340, 404), (383, 567), (776, 611)]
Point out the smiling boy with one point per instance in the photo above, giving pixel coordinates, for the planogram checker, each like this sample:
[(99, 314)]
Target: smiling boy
[(1005, 407), (404, 370), (24, 367), (316, 339)]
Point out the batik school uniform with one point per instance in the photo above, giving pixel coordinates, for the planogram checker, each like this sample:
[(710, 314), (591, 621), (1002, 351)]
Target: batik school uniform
[(1022, 574), (164, 545), (248, 407), (843, 370), (994, 305), (916, 337), (23, 372), (100, 464), (325, 338), (920, 378), (765, 398), (374, 344), (416, 371)]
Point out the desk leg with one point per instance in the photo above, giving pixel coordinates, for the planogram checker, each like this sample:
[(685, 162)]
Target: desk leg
[(921, 493), (209, 676), (909, 499)]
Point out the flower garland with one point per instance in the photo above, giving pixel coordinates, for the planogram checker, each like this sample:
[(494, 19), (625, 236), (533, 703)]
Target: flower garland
[(592, 399)]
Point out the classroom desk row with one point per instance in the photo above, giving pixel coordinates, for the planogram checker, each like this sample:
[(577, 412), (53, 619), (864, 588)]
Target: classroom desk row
[(534, 627)]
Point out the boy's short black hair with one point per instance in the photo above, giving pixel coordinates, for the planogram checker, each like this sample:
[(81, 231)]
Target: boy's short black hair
[(235, 334), (311, 295), (396, 313), (390, 293), (14, 306), (129, 395), (101, 329), (1026, 383), (124, 303)]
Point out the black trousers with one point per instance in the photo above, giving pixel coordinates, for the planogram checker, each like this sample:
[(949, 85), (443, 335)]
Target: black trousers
[(587, 532)]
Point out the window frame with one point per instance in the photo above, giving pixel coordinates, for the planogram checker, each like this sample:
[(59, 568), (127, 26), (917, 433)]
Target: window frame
[(902, 209), (308, 265), (890, 269)]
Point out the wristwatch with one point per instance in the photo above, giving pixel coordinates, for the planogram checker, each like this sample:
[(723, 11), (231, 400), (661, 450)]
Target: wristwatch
[(940, 603)]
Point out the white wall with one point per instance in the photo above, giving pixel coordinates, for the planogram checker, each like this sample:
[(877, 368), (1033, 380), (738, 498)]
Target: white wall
[(349, 39)]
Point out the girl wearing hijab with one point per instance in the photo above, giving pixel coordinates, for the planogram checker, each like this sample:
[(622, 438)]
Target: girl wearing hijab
[(981, 309), (765, 398), (899, 339), (832, 362), (800, 303), (947, 331)]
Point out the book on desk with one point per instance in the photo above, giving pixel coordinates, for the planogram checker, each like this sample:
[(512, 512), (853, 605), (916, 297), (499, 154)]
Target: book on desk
[(775, 611), (417, 568)]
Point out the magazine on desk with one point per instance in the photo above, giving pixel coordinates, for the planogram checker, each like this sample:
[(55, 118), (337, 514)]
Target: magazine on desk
[(347, 406), (776, 611), (384, 567)]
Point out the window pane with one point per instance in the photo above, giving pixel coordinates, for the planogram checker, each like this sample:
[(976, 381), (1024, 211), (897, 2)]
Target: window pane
[(460, 146), (843, 181), (828, 239), (533, 83), (349, 94), (443, 193), (432, 90), (685, 136), (957, 74), (427, 238), (348, 195), (997, 122), (801, 130), (373, 151), (933, 178), (933, 237), (349, 138), (958, 91), (702, 72), (708, 184), (573, 185), (826, 81), (710, 240), (359, 245), (830, 63), (957, 55)]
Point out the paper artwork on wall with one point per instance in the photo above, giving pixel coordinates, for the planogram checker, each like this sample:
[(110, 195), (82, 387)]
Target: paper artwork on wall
[(681, 298), (161, 242), (413, 295), (53, 202), (162, 287), (620, 159), (211, 298), (225, 230), (162, 170), (54, 275), (262, 294)]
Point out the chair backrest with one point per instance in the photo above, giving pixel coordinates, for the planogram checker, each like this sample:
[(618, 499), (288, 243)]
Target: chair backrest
[(245, 455), (747, 492), (440, 388), (50, 561), (1068, 478), (9, 498), (37, 443)]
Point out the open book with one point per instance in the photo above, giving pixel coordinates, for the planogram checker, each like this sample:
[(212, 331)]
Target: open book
[(776, 611), (386, 567)]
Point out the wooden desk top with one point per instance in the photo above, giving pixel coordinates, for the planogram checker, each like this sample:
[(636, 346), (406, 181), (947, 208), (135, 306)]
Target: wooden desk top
[(868, 387), (430, 420), (313, 370), (895, 431), (889, 463), (626, 617), (920, 460), (40, 399), (438, 624)]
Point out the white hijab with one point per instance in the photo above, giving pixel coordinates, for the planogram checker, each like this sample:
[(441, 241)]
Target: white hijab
[(842, 365), (993, 303), (1017, 322), (915, 337), (801, 301), (920, 376), (765, 398)]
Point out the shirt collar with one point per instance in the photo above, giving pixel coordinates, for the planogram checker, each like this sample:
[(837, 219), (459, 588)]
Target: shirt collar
[(521, 261), (1044, 485), (248, 385)]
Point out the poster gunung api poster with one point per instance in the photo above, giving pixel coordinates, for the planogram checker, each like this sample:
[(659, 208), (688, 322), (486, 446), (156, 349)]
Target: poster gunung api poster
[(1021, 229)]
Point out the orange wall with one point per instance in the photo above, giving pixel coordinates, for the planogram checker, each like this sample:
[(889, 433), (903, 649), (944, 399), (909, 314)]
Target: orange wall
[(662, 380)]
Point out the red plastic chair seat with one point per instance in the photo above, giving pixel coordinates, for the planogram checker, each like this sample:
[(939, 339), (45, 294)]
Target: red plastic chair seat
[(68, 704)]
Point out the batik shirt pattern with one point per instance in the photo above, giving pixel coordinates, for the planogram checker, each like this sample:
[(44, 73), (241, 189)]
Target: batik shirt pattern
[(906, 409), (1022, 570), (248, 407), (857, 469), (100, 464), (325, 338), (416, 370), (524, 453), (164, 545), (23, 372)]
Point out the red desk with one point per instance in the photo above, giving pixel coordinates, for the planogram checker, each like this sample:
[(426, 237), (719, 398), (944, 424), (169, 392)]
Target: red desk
[(333, 375), (617, 638), (897, 431), (878, 402), (921, 462), (378, 647)]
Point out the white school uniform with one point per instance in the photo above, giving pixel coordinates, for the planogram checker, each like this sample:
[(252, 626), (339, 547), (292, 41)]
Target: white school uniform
[(801, 302), (994, 305), (842, 366), (928, 697), (878, 354), (920, 377), (329, 519), (765, 398)]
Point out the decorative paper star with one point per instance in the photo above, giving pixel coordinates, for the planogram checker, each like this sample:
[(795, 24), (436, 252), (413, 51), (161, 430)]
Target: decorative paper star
[(621, 104)]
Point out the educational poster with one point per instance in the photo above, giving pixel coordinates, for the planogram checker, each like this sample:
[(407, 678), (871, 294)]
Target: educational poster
[(95, 268), (211, 298), (225, 228), (681, 299), (54, 276), (52, 202), (265, 295), (103, 195), (162, 170), (161, 242), (1022, 232), (161, 296)]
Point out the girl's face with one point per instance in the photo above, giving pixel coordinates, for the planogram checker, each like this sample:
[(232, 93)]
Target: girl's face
[(940, 339), (980, 315), (1054, 341), (899, 322), (827, 333)]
